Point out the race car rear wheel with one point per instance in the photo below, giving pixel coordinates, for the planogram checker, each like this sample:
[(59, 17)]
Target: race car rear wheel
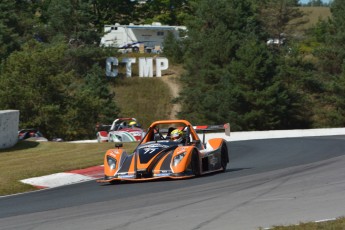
[(135, 49), (195, 163), (224, 157)]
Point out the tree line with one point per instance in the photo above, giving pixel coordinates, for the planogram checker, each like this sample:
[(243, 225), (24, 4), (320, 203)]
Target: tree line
[(52, 68), (233, 75)]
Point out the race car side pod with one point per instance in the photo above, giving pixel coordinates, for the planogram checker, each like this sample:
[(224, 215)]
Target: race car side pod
[(212, 128)]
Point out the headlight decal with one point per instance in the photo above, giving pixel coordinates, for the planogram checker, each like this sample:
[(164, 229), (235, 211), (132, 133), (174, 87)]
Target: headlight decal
[(178, 158), (111, 162)]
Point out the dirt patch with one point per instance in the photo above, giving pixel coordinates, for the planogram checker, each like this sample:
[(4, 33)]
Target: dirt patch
[(171, 78)]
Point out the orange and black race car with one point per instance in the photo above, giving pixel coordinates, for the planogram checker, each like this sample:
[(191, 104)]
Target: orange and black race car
[(170, 149)]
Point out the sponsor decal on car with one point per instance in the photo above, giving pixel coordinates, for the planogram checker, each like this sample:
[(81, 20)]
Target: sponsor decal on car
[(125, 176), (163, 174), (136, 134), (154, 146), (149, 150)]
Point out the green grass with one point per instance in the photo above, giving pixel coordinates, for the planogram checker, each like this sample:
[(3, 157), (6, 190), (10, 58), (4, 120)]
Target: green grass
[(338, 224), (31, 159), (147, 99)]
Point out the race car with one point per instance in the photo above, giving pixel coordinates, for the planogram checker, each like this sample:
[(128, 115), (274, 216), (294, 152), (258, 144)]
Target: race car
[(31, 134), (121, 130), (170, 149)]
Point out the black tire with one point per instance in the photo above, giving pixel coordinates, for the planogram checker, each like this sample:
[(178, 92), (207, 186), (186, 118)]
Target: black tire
[(224, 157), (114, 182), (195, 163), (135, 49)]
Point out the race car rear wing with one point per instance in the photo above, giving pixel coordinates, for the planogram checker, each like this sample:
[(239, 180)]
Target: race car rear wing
[(212, 129)]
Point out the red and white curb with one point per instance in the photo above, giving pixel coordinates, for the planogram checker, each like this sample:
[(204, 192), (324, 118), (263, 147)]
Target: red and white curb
[(66, 178)]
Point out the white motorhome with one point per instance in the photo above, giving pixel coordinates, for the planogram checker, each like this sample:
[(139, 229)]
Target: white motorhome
[(149, 37)]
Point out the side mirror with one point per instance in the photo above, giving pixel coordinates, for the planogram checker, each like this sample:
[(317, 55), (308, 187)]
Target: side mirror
[(118, 145)]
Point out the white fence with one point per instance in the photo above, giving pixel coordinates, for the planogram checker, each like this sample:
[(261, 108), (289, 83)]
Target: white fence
[(9, 124)]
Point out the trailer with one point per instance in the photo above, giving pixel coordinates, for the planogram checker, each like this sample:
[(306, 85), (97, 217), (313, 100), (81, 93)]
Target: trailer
[(135, 38)]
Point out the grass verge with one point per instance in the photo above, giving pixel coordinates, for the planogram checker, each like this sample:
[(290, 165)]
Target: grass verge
[(32, 159), (338, 224)]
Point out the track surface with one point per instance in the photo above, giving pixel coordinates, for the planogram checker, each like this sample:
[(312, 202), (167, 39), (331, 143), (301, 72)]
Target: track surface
[(268, 182)]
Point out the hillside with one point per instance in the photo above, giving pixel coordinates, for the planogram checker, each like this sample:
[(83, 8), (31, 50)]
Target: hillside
[(149, 99), (313, 14)]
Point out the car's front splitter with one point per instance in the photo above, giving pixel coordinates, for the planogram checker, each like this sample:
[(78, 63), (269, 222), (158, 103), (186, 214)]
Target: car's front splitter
[(144, 179)]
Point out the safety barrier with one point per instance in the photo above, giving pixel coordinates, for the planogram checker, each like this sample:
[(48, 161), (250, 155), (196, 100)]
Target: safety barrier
[(9, 124), (271, 134)]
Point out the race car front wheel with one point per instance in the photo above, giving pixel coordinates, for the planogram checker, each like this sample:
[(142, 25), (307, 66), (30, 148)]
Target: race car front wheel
[(195, 163), (224, 157)]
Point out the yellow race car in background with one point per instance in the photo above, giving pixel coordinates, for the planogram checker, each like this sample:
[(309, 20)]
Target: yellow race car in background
[(170, 149)]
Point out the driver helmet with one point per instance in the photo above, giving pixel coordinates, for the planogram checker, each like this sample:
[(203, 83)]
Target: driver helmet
[(132, 123), (176, 135)]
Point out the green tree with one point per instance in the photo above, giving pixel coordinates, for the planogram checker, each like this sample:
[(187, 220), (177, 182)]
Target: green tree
[(115, 11), (214, 35), (231, 73), (331, 67), (280, 18), (51, 96), (315, 3), (173, 48), (170, 12), (73, 20), (16, 21)]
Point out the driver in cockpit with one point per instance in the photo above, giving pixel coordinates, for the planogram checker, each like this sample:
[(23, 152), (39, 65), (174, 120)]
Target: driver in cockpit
[(177, 136)]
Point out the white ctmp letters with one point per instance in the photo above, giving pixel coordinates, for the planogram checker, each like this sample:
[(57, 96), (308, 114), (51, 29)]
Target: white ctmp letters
[(145, 66)]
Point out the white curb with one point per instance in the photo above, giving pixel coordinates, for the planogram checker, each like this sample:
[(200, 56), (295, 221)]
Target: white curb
[(57, 179)]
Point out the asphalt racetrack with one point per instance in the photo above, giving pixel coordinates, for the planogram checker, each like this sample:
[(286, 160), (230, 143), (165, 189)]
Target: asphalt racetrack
[(268, 182)]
